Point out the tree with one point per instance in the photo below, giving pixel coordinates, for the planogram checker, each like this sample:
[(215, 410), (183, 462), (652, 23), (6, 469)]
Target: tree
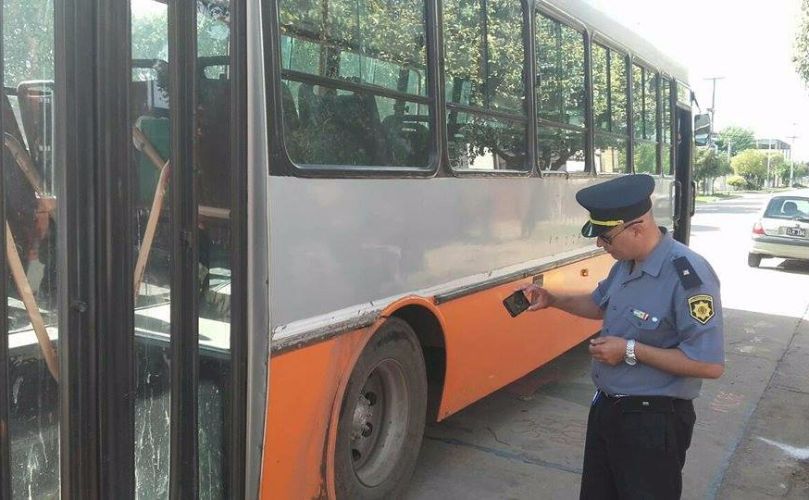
[(801, 57), (27, 41), (737, 138), (752, 165), (709, 165), (777, 167)]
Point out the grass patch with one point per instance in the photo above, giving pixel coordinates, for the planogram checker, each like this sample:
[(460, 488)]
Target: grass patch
[(710, 198)]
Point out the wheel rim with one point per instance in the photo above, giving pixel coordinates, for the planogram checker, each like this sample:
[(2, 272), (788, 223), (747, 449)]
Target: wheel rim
[(379, 423)]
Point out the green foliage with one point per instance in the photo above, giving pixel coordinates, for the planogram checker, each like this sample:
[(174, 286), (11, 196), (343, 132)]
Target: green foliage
[(708, 165), (738, 138), (27, 40), (737, 182), (752, 165), (801, 57)]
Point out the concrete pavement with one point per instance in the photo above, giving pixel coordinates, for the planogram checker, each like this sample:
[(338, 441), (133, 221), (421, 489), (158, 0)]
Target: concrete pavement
[(526, 440)]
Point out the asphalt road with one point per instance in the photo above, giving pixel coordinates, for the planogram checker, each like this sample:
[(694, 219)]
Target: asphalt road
[(526, 440)]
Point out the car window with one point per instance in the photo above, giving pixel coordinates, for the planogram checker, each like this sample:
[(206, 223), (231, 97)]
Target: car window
[(783, 207)]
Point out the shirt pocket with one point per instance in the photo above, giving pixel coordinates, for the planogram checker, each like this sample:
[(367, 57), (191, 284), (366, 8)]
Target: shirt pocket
[(645, 321)]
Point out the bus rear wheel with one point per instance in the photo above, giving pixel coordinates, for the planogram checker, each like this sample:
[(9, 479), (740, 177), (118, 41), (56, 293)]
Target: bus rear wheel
[(382, 417)]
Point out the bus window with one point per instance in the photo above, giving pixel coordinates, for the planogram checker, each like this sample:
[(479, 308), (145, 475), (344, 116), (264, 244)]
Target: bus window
[(30, 253), (150, 115), (481, 142), (484, 54), (353, 87), (601, 95), (560, 96), (644, 115), (665, 129), (610, 83), (214, 169)]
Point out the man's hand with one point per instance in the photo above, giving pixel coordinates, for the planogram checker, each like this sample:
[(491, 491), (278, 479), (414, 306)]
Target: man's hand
[(537, 296), (608, 350)]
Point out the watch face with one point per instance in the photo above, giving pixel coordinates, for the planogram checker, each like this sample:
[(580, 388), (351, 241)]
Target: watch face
[(630, 361)]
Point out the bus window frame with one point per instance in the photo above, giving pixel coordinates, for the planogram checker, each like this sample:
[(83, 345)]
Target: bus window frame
[(666, 77), (529, 107), (612, 46), (647, 68), (281, 163), (587, 128)]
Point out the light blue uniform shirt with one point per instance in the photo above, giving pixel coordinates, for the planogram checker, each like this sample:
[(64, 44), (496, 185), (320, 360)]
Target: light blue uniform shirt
[(667, 302)]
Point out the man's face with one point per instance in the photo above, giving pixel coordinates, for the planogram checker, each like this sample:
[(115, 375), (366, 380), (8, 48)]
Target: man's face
[(615, 241)]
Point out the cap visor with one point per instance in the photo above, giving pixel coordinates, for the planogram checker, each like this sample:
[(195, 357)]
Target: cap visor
[(590, 230)]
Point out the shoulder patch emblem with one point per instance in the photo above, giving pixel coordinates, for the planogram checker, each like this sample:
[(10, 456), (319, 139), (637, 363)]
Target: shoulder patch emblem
[(701, 308)]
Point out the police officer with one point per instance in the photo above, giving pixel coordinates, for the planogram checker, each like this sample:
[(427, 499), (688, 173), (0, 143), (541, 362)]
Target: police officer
[(661, 335)]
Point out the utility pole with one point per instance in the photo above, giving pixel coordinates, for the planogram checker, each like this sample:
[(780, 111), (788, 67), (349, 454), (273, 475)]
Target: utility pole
[(713, 80), (791, 151)]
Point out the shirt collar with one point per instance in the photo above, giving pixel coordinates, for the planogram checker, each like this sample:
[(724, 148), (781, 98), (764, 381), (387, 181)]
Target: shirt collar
[(654, 262)]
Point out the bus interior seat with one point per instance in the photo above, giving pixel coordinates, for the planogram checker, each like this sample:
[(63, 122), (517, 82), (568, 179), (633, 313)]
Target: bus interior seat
[(291, 120), (35, 99), (409, 139), (212, 144), (307, 100), (20, 197)]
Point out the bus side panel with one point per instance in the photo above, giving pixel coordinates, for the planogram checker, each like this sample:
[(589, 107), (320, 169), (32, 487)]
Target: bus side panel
[(306, 391), (488, 349)]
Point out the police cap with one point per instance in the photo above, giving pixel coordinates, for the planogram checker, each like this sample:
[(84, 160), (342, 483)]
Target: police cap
[(614, 202)]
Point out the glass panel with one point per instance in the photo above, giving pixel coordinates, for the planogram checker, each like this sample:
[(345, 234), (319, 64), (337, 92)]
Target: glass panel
[(561, 149), (618, 92), (327, 126), (212, 147), (601, 102), (356, 40), (645, 157), (610, 154), (560, 67), (376, 45), (484, 54), (149, 113), (666, 159), (637, 101), (483, 143), (650, 106), (506, 56), (683, 94), (31, 250), (665, 99)]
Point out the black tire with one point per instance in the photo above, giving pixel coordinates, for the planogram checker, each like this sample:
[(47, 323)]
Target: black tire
[(753, 259), (382, 416)]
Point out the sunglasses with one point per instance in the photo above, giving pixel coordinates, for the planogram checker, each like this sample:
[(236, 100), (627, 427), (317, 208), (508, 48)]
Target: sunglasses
[(608, 238)]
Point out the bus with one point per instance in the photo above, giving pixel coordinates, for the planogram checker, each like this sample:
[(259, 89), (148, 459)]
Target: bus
[(252, 247)]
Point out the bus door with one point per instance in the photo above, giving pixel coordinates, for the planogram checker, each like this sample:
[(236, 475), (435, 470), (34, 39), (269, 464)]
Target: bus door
[(123, 197), (683, 161)]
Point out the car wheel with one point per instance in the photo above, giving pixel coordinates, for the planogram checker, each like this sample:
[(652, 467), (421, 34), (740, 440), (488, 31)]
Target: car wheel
[(753, 259), (382, 417)]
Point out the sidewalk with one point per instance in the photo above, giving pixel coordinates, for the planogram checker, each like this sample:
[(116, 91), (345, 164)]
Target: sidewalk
[(772, 459)]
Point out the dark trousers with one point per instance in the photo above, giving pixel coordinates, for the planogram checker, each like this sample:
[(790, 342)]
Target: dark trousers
[(635, 447)]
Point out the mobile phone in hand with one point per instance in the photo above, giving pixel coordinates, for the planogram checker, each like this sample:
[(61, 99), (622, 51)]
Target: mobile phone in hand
[(516, 303)]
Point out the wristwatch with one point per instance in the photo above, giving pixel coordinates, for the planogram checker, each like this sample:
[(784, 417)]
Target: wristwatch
[(629, 356)]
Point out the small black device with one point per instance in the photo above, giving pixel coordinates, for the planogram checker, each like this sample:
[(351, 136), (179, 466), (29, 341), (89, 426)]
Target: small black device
[(516, 303)]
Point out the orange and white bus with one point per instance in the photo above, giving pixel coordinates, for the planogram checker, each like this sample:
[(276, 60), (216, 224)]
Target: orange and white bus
[(251, 247)]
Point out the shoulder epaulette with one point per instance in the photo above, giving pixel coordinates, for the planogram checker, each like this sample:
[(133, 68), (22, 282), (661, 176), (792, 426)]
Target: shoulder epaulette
[(688, 277)]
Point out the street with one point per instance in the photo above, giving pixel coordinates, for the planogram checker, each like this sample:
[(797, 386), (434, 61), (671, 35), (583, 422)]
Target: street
[(750, 440)]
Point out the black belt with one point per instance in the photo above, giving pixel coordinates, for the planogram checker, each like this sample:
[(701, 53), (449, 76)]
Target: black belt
[(649, 403)]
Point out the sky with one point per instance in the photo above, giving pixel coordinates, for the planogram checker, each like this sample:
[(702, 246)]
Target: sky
[(748, 42)]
